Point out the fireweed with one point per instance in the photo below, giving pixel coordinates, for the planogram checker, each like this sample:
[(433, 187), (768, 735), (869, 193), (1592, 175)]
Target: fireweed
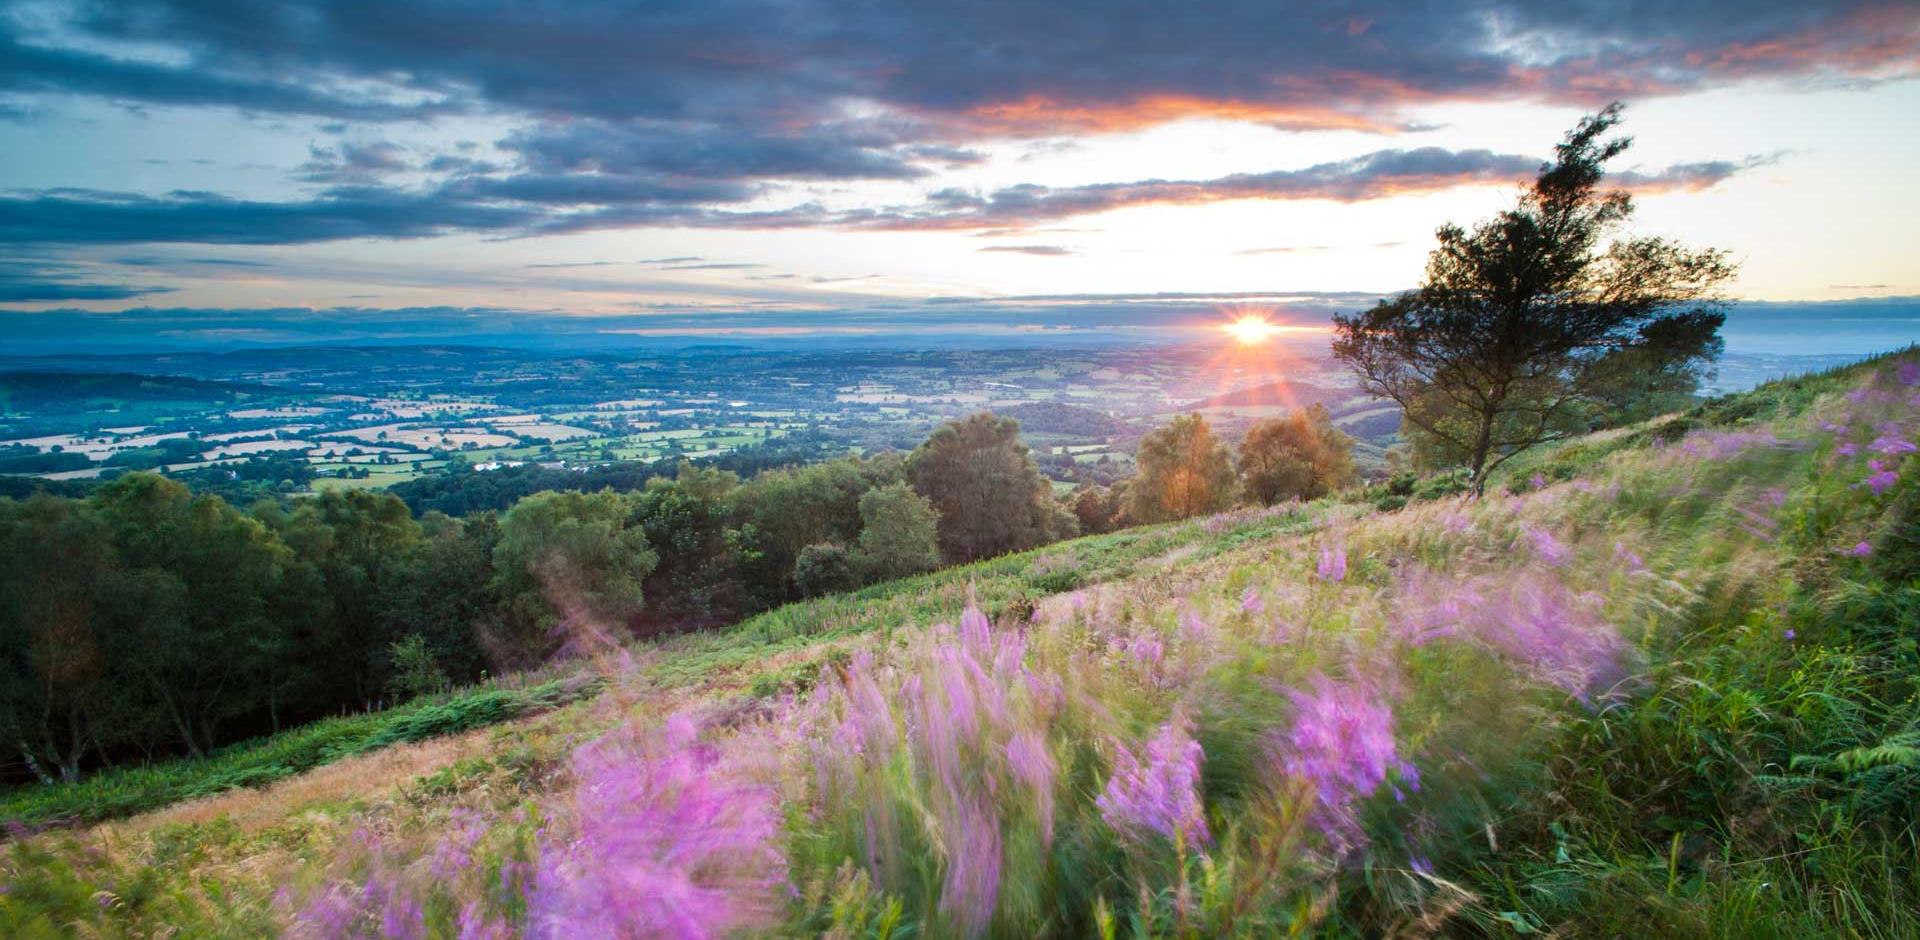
[(668, 839), (1341, 747), (1156, 794)]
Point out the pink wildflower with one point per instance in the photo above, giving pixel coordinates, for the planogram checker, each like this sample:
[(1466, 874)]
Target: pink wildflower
[(1547, 547), (671, 842), (1333, 563), (1158, 794), (1342, 745), (1881, 482), (1252, 603), (1861, 550)]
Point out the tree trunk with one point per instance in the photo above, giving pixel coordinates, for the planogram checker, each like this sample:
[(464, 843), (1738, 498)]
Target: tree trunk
[(33, 764)]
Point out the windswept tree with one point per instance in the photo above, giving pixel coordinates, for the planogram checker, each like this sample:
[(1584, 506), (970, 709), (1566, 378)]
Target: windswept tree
[(1535, 325), (1185, 471), (990, 495), (1301, 455)]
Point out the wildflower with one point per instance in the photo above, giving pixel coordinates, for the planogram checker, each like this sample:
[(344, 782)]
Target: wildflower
[(1033, 765), (1333, 563), (1146, 648), (1547, 547), (1341, 744), (1847, 450), (1560, 637), (1881, 482), (1158, 794), (1908, 373), (1251, 602), (1628, 557), (1893, 446), (1538, 482), (1790, 634), (1861, 550), (1457, 523), (671, 841)]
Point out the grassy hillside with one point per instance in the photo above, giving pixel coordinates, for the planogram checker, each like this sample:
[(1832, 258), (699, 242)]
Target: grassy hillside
[(1661, 685)]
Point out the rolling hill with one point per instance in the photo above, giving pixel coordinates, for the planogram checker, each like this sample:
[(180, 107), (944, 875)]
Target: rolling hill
[(1660, 683)]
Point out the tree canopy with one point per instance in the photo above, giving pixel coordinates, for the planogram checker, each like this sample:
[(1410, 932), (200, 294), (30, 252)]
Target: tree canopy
[(1534, 326), (990, 495), (1299, 456), (1185, 471)]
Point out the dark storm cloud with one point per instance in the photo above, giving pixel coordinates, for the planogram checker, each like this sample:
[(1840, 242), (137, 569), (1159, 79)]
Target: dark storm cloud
[(997, 65), (674, 113)]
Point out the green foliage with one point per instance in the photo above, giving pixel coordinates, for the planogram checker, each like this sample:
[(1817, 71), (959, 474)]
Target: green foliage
[(825, 568), (565, 558), (415, 670), (990, 497), (114, 794), (899, 533)]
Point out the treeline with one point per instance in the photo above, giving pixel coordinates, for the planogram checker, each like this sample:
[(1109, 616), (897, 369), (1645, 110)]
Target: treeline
[(147, 619)]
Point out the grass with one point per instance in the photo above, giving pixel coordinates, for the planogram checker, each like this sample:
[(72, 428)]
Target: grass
[(128, 791)]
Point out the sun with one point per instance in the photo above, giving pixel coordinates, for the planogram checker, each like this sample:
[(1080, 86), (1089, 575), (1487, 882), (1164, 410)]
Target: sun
[(1250, 330)]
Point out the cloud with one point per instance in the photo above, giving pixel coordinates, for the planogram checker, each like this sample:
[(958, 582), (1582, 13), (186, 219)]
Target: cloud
[(353, 163), (26, 283), (781, 77), (1049, 251), (549, 204), (96, 217)]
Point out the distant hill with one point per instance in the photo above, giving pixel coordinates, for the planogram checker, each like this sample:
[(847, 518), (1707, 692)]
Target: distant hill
[(1048, 417), (1281, 394), (65, 392)]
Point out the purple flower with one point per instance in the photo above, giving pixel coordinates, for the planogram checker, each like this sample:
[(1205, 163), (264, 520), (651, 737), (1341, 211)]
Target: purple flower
[(1908, 373), (1861, 550), (1158, 793), (1341, 744), (671, 842), (1847, 450), (1558, 636), (1538, 482), (1333, 563), (1893, 446), (1628, 557), (1880, 482), (1252, 603), (1033, 765), (1790, 634), (1547, 547)]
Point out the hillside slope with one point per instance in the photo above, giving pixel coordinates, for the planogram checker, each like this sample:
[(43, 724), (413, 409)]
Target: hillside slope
[(1663, 687)]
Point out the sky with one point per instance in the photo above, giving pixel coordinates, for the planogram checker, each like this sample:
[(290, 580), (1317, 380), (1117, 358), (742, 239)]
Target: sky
[(185, 171)]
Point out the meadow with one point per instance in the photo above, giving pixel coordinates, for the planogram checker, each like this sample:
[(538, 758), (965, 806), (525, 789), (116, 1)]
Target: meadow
[(1661, 682)]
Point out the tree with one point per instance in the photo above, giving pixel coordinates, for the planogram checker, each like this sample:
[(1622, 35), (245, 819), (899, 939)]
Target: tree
[(825, 568), (899, 533), (54, 673), (1185, 471), (983, 482), (1098, 508), (570, 570), (1525, 328), (1301, 455)]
